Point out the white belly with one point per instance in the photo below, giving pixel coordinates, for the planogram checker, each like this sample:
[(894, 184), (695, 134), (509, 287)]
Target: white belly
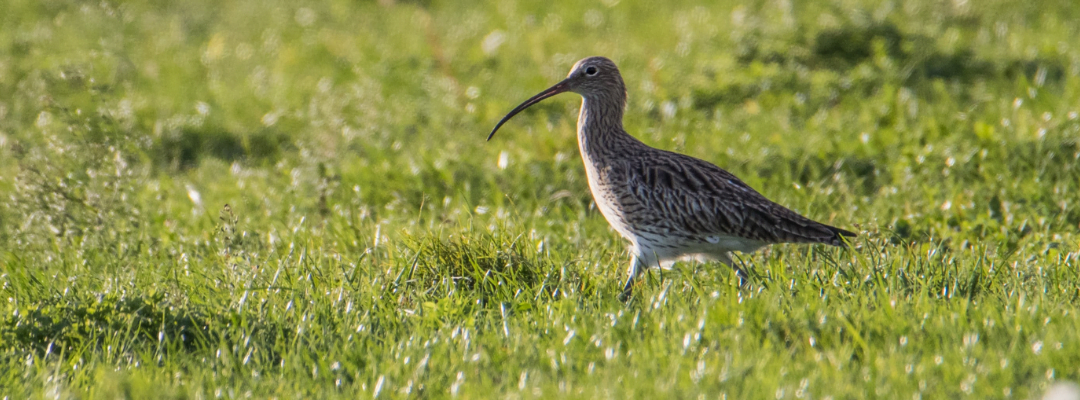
[(606, 202)]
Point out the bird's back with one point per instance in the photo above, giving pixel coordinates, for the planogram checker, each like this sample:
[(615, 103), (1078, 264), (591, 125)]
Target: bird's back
[(666, 193)]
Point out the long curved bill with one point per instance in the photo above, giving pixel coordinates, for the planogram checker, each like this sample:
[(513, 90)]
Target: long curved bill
[(551, 91)]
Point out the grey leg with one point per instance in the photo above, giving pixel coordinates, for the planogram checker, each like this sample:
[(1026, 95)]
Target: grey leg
[(744, 279), (637, 266)]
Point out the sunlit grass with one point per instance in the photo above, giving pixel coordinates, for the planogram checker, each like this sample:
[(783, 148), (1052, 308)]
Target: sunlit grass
[(293, 199)]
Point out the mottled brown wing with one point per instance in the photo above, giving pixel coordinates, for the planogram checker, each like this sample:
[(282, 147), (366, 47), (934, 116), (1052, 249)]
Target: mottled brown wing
[(699, 198)]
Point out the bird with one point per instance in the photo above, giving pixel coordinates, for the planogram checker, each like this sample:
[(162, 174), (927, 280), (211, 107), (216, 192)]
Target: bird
[(669, 206)]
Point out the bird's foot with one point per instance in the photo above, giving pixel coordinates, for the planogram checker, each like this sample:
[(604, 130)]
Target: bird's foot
[(628, 291), (744, 278)]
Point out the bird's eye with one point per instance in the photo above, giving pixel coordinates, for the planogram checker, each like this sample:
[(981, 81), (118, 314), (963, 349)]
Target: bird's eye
[(590, 71)]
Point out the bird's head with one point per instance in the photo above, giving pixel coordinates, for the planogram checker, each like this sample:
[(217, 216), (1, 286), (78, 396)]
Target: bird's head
[(594, 78)]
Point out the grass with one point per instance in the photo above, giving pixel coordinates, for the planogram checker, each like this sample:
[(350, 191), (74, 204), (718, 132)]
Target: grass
[(294, 199)]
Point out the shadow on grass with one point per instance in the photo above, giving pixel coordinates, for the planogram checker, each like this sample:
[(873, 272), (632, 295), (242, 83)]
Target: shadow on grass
[(495, 270), (838, 58), (128, 325), (185, 147)]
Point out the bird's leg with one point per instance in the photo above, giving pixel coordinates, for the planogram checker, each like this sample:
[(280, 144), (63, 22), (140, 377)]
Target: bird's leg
[(744, 279), (637, 266)]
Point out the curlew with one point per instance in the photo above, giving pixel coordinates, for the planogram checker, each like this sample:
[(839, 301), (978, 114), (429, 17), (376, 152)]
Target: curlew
[(669, 206)]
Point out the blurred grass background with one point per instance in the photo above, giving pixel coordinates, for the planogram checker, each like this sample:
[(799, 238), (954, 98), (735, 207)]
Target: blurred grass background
[(294, 199)]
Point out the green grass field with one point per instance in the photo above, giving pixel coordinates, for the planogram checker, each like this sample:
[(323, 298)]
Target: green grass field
[(203, 199)]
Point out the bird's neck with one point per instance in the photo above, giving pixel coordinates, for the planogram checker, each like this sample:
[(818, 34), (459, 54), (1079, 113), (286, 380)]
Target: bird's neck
[(600, 128)]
